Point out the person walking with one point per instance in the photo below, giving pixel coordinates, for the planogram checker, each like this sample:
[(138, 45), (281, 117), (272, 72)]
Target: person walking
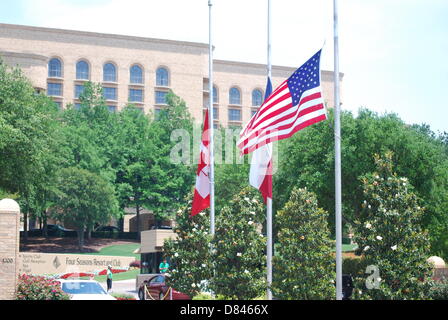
[(109, 278), (164, 266)]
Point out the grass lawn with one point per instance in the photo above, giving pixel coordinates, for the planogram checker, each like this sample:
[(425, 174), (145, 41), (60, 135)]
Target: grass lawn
[(122, 250), (349, 247), (132, 274)]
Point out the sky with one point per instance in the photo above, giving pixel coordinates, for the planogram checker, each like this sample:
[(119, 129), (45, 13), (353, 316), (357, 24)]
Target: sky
[(393, 53)]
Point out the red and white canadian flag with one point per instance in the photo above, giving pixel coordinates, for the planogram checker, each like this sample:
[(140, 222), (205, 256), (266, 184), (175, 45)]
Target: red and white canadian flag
[(201, 200)]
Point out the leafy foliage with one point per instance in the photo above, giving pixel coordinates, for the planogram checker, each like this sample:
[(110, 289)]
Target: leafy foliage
[(389, 236), (239, 248), (307, 159), (83, 199), (304, 266), (190, 254), (39, 288)]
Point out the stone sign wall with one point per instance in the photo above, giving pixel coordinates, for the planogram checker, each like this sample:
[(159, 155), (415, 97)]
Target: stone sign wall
[(53, 263), (9, 247)]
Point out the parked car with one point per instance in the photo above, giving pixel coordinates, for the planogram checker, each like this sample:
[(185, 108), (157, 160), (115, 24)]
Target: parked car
[(157, 289), (84, 290), (53, 230), (107, 229)]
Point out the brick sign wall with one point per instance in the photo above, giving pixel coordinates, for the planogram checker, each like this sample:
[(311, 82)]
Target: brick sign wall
[(9, 247)]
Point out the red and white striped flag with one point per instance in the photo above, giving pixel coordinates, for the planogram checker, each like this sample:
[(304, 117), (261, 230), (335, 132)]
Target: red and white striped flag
[(296, 104), (260, 175), (201, 200)]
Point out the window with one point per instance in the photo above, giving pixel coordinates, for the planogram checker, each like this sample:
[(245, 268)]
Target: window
[(109, 73), (79, 89), (55, 68), (215, 95), (77, 106), (215, 114), (136, 74), (161, 97), (234, 115), (82, 70), (257, 98), (110, 93), (162, 77), (112, 108), (54, 89), (135, 95), (253, 112), (235, 96)]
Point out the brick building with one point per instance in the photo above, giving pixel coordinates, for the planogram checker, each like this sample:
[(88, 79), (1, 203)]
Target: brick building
[(139, 70)]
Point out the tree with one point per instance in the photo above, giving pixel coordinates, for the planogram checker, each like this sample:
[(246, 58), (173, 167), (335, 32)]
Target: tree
[(191, 263), (389, 235), (28, 125), (304, 267), (84, 198), (239, 248), (307, 159)]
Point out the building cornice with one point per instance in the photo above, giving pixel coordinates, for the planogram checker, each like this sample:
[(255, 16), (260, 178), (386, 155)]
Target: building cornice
[(90, 34)]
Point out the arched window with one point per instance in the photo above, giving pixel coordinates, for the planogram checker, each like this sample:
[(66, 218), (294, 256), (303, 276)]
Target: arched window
[(162, 77), (234, 96), (136, 74), (82, 70), (257, 98), (55, 68), (109, 73)]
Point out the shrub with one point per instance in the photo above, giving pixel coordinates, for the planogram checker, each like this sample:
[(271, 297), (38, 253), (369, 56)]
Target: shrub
[(203, 296), (304, 265), (239, 248), (356, 267), (439, 290), (390, 237), (191, 268), (39, 288), (123, 296)]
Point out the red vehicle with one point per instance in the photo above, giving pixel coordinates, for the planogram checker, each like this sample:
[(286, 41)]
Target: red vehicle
[(157, 289)]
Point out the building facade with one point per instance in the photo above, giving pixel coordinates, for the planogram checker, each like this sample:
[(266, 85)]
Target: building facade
[(140, 71)]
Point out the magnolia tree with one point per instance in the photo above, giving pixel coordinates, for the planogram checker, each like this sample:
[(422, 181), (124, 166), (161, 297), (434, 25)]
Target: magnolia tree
[(303, 264), (191, 267), (239, 248), (390, 238)]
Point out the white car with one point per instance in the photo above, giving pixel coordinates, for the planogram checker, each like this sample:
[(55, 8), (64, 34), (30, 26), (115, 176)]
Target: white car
[(84, 290)]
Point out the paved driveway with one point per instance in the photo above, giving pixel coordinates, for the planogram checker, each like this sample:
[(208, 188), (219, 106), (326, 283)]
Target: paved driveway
[(123, 286)]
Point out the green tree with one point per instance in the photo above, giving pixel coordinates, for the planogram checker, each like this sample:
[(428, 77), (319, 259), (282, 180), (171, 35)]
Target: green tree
[(84, 198), (239, 248), (28, 125), (191, 264), (390, 238), (307, 159), (304, 265)]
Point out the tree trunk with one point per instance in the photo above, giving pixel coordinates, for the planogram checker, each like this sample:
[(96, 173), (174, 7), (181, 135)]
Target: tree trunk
[(89, 233), (137, 208), (81, 239), (25, 224), (45, 227)]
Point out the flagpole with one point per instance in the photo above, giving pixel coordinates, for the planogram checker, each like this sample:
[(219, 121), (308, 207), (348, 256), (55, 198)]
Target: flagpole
[(211, 127), (337, 136), (269, 200)]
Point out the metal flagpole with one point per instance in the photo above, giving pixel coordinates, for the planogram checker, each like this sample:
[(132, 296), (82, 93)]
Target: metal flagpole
[(211, 128), (337, 136), (269, 200)]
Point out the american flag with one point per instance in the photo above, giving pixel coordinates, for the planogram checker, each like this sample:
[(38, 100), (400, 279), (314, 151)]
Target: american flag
[(294, 105)]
